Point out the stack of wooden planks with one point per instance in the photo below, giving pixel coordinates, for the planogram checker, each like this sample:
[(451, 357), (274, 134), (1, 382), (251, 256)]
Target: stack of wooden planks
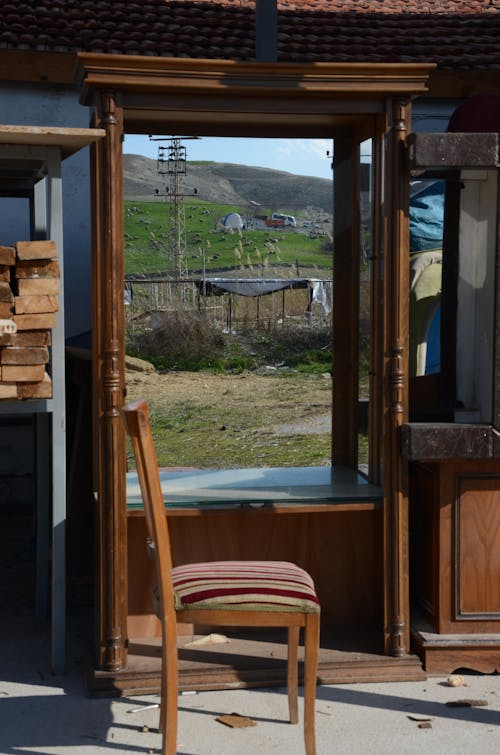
[(29, 300)]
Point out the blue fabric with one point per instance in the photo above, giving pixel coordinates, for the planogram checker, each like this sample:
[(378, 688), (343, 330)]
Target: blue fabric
[(426, 216), (433, 356)]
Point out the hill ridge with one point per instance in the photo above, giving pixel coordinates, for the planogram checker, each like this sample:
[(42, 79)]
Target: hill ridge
[(231, 183)]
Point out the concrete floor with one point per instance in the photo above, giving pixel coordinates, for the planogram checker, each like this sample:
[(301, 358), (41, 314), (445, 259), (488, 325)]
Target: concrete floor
[(44, 713)]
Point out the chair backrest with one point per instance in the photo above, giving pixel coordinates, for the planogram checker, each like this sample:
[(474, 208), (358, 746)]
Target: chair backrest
[(139, 430)]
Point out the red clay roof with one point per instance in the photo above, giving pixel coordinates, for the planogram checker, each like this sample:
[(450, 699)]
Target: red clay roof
[(371, 6), (460, 34)]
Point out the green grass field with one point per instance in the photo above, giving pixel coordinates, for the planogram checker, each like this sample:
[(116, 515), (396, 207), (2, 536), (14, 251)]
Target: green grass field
[(233, 427), (210, 247)]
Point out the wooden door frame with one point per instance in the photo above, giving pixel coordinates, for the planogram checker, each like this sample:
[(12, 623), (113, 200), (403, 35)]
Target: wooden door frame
[(136, 94)]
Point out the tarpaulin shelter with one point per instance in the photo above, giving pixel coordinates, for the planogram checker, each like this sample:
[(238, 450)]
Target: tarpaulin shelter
[(248, 286), (318, 291)]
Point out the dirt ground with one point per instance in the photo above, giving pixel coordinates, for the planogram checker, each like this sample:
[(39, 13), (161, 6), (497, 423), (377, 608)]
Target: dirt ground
[(302, 400), (208, 419)]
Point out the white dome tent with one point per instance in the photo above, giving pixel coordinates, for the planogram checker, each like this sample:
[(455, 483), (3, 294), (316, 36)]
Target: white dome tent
[(233, 220)]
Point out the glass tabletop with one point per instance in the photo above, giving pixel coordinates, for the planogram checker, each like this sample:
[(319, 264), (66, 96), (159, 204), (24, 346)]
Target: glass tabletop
[(259, 485)]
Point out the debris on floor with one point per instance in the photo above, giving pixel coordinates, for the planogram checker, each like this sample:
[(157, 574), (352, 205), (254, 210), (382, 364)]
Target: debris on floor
[(144, 707), (208, 639), (235, 720), (419, 719), (455, 680)]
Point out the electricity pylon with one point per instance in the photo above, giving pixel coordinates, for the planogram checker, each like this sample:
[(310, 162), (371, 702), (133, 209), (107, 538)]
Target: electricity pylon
[(171, 167)]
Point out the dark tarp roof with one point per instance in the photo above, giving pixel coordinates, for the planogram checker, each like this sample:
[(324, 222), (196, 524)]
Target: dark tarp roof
[(248, 286)]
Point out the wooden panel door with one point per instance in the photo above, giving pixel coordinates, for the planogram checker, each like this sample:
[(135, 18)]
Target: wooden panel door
[(477, 577)]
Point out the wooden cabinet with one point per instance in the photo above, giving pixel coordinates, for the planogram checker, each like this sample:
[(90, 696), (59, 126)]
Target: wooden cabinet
[(327, 520), (452, 442), (341, 549), (455, 564)]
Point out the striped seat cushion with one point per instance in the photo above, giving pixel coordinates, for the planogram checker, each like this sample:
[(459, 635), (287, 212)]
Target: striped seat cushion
[(240, 585)]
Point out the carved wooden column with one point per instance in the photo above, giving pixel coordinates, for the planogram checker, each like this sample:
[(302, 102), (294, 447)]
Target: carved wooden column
[(396, 324), (108, 338)]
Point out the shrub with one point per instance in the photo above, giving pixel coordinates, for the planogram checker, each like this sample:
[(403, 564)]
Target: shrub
[(181, 339), (185, 339), (288, 342), (311, 360)]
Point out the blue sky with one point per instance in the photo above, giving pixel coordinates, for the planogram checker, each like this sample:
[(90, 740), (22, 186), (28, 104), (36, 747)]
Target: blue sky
[(304, 157)]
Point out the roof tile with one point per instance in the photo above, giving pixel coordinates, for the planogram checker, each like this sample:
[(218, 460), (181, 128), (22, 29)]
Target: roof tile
[(453, 33)]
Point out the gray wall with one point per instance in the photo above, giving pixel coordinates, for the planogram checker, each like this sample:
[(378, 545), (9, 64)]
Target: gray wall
[(41, 105), (26, 104)]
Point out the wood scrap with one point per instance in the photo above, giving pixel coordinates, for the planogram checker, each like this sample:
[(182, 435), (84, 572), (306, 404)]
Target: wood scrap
[(235, 720)]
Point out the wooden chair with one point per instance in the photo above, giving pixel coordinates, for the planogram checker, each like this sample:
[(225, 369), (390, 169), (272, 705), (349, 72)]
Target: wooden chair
[(223, 593)]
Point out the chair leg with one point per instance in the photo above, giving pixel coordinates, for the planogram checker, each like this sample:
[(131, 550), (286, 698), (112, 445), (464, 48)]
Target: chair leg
[(161, 724), (169, 692), (293, 673), (311, 648)]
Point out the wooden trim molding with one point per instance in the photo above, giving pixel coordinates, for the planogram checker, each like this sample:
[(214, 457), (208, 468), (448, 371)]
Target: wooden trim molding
[(228, 98), (130, 73)]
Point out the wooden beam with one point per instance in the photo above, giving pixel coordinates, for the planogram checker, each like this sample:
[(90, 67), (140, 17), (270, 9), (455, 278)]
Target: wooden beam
[(69, 140), (37, 66), (460, 84)]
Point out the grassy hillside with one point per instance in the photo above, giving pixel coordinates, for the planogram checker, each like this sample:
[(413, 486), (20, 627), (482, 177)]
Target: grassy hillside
[(211, 246), (227, 183)]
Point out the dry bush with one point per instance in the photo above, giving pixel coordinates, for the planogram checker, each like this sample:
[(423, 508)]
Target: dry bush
[(180, 339), (278, 342)]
